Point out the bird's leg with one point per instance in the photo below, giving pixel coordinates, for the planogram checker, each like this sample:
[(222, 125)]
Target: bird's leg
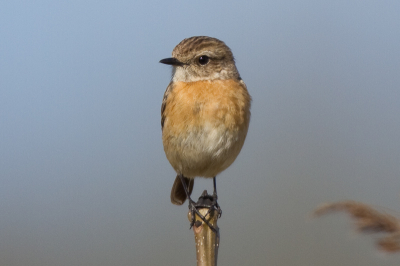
[(193, 206), (215, 198), (214, 204)]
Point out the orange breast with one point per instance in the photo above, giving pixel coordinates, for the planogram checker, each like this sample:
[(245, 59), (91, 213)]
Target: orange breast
[(192, 104), (205, 125)]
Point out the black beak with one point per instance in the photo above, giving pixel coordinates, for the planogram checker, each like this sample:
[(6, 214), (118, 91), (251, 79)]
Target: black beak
[(171, 61)]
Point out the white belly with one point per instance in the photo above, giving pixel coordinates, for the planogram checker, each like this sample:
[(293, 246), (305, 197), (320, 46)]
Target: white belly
[(205, 151)]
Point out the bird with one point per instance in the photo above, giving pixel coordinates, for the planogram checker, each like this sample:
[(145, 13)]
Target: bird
[(205, 113)]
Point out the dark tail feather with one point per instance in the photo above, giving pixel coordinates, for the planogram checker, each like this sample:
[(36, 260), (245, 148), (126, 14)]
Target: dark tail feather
[(178, 195)]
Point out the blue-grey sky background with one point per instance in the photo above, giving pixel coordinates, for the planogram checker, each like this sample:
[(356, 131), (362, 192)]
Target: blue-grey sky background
[(84, 179)]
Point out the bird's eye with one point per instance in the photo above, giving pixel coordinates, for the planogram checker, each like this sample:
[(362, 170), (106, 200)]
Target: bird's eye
[(203, 60)]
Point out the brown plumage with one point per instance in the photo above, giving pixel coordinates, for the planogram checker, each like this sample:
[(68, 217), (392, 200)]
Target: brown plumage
[(205, 112)]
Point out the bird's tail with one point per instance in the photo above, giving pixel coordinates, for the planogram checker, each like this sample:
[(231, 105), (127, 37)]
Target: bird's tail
[(178, 195)]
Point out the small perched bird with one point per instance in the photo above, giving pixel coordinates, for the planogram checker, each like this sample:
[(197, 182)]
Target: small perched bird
[(205, 113)]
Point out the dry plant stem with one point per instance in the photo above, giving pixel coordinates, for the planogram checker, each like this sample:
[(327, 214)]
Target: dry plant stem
[(206, 240), (369, 220)]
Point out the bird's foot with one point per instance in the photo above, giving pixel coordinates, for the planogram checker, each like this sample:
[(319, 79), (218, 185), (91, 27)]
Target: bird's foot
[(205, 201)]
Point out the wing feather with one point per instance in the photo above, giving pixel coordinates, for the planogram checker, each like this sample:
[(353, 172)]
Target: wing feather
[(164, 103)]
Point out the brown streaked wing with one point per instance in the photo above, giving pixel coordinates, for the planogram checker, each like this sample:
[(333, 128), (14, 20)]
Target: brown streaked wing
[(164, 103)]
